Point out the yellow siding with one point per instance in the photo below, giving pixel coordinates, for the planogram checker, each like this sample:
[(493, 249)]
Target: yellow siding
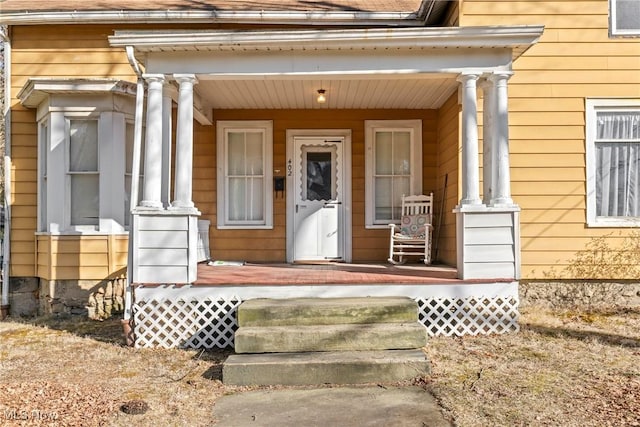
[(574, 59), (36, 52), (448, 149), (81, 257)]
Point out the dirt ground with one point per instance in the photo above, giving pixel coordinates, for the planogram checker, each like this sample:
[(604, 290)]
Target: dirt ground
[(567, 368)]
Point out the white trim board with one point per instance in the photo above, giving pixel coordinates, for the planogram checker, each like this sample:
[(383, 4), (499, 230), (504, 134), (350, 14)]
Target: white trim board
[(245, 292)]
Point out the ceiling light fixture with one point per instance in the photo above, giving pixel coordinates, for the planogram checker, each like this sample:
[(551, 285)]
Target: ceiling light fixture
[(321, 98)]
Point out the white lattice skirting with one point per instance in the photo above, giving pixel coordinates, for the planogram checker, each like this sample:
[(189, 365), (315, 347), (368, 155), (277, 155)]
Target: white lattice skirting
[(200, 317)]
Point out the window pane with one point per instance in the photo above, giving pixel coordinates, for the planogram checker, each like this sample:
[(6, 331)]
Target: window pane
[(319, 185), (236, 200), (84, 199), (128, 147), (254, 153), (618, 179), (83, 145), (383, 195), (627, 14), (402, 153), (623, 125), (255, 199), (236, 153), (383, 152)]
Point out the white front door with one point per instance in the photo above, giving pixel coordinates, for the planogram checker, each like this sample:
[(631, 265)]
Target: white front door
[(318, 199)]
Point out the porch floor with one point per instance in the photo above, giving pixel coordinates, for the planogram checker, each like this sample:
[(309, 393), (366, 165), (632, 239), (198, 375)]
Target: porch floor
[(324, 274)]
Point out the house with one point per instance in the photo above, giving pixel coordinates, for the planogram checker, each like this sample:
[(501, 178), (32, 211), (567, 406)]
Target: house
[(510, 112)]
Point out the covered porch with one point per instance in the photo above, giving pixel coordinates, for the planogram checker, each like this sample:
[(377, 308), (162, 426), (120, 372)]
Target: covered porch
[(224, 79), (419, 83)]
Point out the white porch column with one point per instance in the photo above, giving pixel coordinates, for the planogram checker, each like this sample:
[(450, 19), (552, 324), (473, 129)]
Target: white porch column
[(151, 197), (184, 142), (470, 156), (488, 116), (167, 104), (502, 185)]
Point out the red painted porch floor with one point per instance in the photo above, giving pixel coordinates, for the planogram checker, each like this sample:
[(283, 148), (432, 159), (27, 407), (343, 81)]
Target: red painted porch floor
[(324, 274)]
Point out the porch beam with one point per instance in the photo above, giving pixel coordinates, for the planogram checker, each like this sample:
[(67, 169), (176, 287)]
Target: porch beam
[(470, 156)]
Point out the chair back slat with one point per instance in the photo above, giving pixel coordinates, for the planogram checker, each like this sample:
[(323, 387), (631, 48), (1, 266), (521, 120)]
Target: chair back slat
[(418, 205)]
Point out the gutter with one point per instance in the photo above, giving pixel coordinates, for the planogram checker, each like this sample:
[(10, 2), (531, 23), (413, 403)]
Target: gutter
[(133, 198), (6, 241), (214, 16)]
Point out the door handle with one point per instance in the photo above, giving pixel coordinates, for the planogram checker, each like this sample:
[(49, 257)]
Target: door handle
[(300, 206)]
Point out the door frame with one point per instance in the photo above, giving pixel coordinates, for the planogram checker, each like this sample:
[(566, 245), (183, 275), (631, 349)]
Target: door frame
[(346, 187)]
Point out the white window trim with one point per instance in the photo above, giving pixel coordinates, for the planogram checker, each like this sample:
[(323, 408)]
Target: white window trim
[(224, 126), (111, 166), (371, 126), (613, 29), (592, 107), (44, 136)]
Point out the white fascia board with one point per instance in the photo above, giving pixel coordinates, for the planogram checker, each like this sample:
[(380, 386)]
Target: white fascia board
[(36, 89), (517, 38), (203, 16)]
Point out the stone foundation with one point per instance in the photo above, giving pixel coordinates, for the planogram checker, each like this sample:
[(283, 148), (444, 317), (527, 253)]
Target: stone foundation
[(580, 294), (32, 296), (23, 296)]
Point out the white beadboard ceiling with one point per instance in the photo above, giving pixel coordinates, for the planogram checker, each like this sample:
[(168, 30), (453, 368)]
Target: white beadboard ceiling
[(391, 92)]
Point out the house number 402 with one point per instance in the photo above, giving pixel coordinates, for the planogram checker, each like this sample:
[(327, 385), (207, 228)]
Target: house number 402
[(289, 168)]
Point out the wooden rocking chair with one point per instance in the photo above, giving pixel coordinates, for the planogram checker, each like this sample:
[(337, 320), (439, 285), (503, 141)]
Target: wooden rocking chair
[(412, 237)]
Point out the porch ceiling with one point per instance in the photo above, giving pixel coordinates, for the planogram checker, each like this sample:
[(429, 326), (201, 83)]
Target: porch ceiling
[(388, 93)]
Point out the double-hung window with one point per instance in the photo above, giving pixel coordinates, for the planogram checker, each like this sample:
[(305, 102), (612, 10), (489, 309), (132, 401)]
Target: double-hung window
[(393, 168), (83, 173), (244, 174), (613, 162), (624, 18)]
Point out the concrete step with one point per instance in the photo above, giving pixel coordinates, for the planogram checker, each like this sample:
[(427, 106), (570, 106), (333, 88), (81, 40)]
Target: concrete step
[(357, 337), (341, 367), (327, 311)]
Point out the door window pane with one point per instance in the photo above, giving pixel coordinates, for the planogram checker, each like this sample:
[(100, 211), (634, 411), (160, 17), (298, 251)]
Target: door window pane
[(319, 176)]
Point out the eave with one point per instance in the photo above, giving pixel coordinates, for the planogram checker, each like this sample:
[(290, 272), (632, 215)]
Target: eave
[(516, 38)]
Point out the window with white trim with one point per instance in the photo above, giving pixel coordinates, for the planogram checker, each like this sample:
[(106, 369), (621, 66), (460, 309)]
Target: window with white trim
[(624, 18), (82, 172), (245, 157), (393, 168), (613, 162)]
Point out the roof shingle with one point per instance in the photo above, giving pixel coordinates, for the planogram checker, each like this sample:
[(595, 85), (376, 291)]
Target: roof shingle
[(14, 6)]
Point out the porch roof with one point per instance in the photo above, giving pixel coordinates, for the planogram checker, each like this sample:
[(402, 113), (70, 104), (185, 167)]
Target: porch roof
[(408, 68)]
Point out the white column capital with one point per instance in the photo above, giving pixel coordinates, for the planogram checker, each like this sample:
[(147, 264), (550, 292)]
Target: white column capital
[(466, 77), (185, 78), (154, 78), (498, 76)]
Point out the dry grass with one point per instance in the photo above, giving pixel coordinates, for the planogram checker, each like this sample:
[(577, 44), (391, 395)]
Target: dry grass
[(568, 368)]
